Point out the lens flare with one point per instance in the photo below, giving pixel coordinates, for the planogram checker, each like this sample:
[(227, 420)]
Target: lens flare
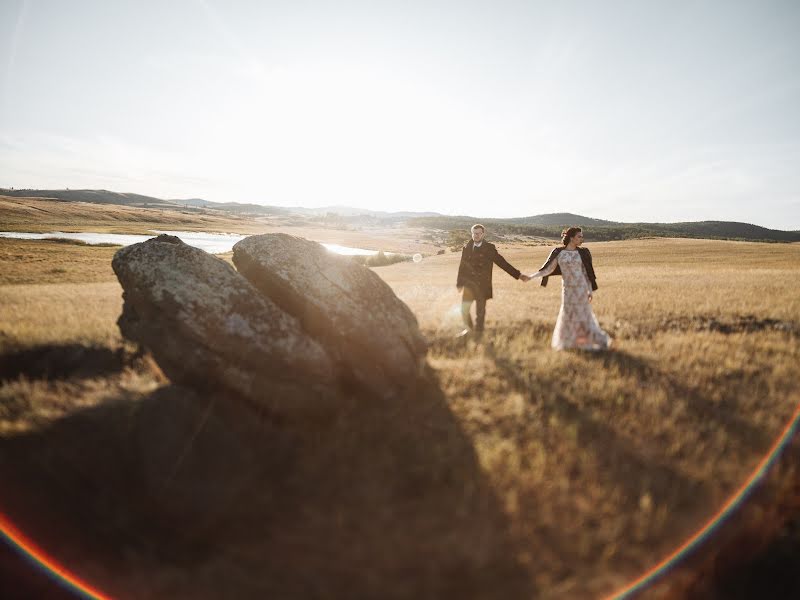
[(730, 506), (34, 554)]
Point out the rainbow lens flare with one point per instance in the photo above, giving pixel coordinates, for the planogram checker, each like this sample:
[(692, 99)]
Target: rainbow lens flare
[(715, 521), (46, 564)]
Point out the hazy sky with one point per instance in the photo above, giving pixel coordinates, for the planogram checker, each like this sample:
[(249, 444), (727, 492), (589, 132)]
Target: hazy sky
[(633, 111)]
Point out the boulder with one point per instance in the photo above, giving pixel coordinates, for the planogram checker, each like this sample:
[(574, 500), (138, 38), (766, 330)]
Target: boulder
[(350, 310), (207, 326)]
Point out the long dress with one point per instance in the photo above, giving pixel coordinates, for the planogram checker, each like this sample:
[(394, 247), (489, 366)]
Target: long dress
[(576, 326)]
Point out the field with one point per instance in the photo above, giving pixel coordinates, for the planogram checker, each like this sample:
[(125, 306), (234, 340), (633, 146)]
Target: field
[(512, 472)]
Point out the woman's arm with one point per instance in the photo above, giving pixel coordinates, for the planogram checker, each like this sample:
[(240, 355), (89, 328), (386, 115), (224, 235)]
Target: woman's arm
[(547, 269)]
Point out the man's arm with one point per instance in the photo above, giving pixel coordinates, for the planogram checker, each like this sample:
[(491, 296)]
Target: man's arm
[(461, 267), (504, 264)]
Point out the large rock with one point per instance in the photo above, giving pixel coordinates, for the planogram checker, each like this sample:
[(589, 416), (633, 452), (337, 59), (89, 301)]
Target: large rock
[(207, 326), (354, 314)]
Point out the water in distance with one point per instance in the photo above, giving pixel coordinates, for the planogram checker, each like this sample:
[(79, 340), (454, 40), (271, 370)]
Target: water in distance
[(214, 243)]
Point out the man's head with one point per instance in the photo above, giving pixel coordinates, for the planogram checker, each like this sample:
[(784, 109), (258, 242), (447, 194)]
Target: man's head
[(477, 233)]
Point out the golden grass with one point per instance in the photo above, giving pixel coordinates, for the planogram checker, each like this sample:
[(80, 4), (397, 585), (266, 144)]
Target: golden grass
[(599, 464), (640, 282), (48, 261), (43, 216), (39, 314), (29, 403), (695, 407)]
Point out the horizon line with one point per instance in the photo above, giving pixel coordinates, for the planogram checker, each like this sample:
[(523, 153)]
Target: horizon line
[(487, 218)]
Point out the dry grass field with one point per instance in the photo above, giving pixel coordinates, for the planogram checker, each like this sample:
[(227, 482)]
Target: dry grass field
[(642, 443), (512, 472), (37, 215)]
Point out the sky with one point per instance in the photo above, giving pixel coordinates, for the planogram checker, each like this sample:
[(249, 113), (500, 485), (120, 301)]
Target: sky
[(639, 110)]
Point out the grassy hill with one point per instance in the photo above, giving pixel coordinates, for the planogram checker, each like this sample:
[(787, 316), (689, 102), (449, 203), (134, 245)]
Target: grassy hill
[(550, 226), (559, 219), (346, 213), (138, 200), (239, 208), (93, 196), (541, 226)]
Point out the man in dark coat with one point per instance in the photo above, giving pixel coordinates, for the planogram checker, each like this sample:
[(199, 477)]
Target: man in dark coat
[(475, 278)]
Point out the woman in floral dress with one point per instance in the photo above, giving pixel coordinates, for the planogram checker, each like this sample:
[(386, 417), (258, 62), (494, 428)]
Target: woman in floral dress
[(577, 326)]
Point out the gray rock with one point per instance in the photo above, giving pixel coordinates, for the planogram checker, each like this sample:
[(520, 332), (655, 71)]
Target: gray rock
[(354, 314), (206, 326)]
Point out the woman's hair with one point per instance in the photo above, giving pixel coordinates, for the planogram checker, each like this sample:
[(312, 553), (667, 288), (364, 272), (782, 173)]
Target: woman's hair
[(568, 233)]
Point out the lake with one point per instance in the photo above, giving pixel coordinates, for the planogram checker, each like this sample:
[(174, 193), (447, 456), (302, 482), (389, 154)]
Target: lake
[(214, 243)]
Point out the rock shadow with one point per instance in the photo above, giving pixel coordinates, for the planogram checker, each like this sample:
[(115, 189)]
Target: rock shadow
[(62, 361), (188, 495)]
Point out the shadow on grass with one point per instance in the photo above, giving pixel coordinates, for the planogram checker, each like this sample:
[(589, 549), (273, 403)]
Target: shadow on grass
[(619, 460), (186, 495), (62, 361), (726, 414)]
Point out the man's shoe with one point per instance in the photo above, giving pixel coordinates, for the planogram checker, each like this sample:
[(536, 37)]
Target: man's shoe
[(463, 334)]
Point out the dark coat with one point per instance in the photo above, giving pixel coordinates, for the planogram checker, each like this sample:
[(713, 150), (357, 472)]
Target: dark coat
[(586, 257), (475, 268)]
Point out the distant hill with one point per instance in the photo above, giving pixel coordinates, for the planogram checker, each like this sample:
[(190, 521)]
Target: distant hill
[(349, 211), (238, 208), (725, 229), (546, 225), (107, 197), (196, 202), (233, 207), (550, 226), (94, 196), (559, 219)]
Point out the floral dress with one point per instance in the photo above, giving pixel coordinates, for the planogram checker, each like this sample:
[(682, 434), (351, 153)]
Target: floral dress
[(577, 326)]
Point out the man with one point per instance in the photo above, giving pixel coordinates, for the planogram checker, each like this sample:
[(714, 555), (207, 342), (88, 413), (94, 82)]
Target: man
[(475, 278)]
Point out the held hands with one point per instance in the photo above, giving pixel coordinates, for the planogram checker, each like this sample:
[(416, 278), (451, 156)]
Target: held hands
[(526, 278)]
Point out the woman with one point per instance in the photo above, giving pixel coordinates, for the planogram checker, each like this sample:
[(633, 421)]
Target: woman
[(576, 327)]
